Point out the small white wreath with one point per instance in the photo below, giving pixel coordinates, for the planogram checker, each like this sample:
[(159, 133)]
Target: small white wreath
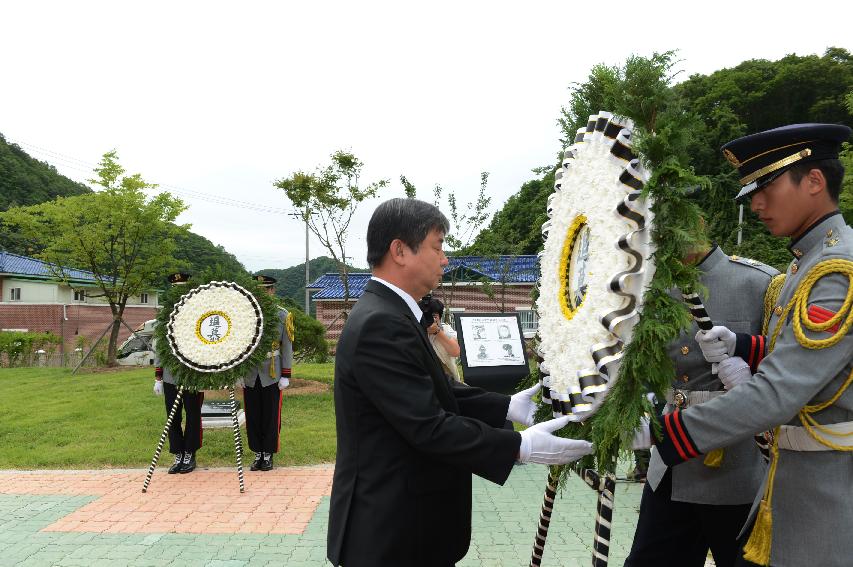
[(215, 327), (594, 267)]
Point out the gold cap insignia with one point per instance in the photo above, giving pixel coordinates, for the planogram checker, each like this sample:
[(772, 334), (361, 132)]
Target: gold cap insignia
[(731, 157)]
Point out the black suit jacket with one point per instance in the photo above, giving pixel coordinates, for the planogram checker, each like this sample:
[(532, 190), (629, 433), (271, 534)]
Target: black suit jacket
[(408, 441)]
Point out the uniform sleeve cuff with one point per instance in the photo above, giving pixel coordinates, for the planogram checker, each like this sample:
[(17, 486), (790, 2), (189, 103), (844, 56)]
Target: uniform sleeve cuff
[(751, 348), (676, 445), (285, 372), (158, 373)]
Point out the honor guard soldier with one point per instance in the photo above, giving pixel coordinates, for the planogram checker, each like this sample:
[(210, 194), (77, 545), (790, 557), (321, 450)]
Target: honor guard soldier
[(262, 392), (701, 505), (802, 514), (182, 443)]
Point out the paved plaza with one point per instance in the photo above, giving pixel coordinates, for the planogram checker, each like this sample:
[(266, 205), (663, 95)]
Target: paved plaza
[(90, 518)]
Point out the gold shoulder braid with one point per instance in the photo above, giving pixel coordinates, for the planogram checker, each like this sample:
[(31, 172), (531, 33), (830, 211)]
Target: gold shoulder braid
[(290, 327), (757, 549), (771, 296)]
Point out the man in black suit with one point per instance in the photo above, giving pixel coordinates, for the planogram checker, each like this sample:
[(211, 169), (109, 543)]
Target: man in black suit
[(409, 438)]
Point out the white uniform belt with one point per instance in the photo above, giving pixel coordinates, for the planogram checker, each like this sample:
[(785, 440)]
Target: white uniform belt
[(684, 398), (796, 438), (272, 354)]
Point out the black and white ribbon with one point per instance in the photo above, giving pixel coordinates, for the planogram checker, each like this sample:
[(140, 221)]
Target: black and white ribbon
[(700, 315), (238, 441), (544, 520), (169, 419), (606, 487)]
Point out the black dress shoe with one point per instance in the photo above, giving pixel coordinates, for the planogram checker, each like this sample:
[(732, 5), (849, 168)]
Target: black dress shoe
[(176, 466), (188, 464), (266, 462), (256, 464)]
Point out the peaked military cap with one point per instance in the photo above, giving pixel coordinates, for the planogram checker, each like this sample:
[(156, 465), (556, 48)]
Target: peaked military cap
[(178, 278), (760, 158), (265, 281)]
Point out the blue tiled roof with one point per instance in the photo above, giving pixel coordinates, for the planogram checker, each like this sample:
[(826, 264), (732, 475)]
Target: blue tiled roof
[(15, 265), (330, 286), (508, 269)]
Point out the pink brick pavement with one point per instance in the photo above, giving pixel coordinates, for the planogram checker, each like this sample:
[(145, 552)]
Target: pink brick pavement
[(206, 501)]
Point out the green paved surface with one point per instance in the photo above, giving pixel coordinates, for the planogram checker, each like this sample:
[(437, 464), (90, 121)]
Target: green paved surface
[(504, 524)]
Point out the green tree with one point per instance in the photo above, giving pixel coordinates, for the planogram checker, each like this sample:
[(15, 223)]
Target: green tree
[(328, 199), (124, 238), (309, 341)]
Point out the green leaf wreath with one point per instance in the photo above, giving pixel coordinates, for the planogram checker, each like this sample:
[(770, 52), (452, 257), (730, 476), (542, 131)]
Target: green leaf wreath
[(641, 91), (194, 379)]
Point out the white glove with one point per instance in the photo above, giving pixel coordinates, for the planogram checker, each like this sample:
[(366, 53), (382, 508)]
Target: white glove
[(539, 446), (642, 436), (717, 344), (283, 383), (733, 371), (239, 383), (158, 387), (521, 406)]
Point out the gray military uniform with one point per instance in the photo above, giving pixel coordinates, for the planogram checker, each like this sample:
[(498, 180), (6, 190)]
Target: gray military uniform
[(811, 505), (284, 358), (735, 292), (263, 403)]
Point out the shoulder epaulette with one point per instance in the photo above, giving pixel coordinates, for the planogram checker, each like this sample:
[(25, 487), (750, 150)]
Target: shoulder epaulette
[(761, 266)]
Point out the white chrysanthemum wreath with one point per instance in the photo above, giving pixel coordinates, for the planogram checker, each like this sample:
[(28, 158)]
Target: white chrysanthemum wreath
[(215, 327), (594, 266)]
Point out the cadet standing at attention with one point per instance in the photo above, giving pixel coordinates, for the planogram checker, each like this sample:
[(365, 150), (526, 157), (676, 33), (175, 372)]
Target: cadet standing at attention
[(262, 392), (182, 443), (702, 505), (802, 514)]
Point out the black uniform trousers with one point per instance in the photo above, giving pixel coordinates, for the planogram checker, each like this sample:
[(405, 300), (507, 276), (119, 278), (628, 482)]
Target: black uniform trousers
[(679, 534), (189, 439), (263, 416)]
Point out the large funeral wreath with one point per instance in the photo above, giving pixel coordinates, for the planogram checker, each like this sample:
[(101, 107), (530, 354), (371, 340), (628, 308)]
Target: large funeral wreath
[(210, 334), (619, 225)]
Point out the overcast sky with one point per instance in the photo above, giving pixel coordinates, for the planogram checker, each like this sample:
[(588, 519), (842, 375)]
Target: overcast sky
[(215, 100)]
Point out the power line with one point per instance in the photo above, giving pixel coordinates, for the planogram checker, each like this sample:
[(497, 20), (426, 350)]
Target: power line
[(75, 164)]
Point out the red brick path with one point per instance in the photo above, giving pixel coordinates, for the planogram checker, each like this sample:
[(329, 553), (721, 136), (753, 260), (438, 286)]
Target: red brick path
[(206, 501)]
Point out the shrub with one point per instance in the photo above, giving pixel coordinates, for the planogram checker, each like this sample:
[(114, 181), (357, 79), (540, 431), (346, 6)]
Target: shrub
[(18, 348)]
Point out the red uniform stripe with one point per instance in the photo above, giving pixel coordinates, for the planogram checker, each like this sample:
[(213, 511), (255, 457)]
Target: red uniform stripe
[(751, 360), (671, 433), (687, 444), (818, 314), (761, 349), (200, 422), (278, 431)]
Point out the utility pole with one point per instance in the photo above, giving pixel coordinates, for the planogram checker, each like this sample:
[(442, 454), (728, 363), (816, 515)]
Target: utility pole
[(305, 216), (307, 273)]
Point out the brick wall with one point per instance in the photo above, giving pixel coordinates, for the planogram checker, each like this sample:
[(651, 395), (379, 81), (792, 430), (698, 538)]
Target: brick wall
[(86, 320), (469, 297)]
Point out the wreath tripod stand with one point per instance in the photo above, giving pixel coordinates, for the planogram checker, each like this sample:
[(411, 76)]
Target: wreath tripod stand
[(238, 442)]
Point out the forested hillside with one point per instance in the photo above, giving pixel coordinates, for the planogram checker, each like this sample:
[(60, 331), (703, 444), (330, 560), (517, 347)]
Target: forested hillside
[(25, 181), (753, 96), (291, 281)]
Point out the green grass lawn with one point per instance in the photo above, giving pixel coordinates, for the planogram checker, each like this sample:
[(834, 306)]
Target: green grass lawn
[(51, 419)]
